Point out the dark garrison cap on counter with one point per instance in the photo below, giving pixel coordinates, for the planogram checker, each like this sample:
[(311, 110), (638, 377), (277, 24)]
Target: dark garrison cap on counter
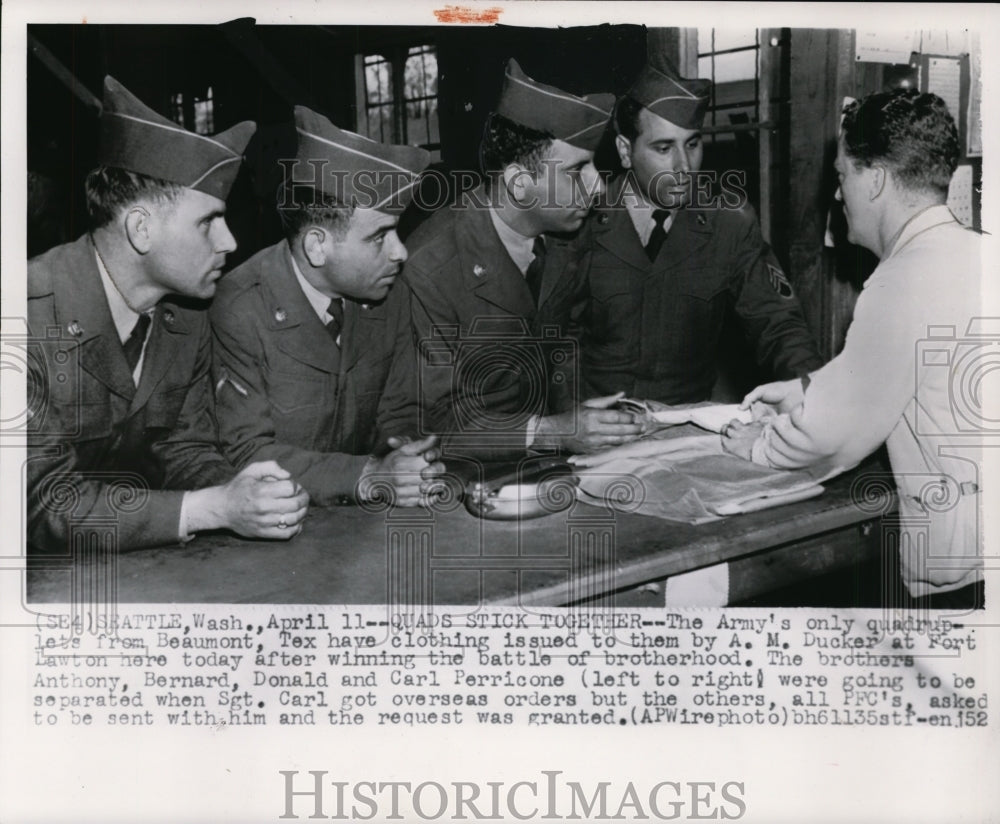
[(579, 121), (354, 169), (137, 139), (665, 93)]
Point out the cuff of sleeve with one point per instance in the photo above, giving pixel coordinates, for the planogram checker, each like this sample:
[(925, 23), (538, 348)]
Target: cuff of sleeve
[(365, 484), (531, 429), (758, 452), (183, 535)]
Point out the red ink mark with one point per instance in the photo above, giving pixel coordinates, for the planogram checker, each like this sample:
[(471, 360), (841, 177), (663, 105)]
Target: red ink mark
[(463, 14)]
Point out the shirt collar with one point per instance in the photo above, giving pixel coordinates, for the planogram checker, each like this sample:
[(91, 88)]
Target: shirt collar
[(519, 247), (641, 214), (122, 315), (932, 216), (317, 300)]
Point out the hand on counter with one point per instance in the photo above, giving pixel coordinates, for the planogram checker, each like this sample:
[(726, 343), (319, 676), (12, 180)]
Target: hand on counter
[(411, 470), (262, 501), (591, 426)]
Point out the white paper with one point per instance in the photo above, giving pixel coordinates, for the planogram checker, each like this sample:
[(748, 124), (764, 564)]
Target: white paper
[(974, 145), (885, 47), (948, 42), (944, 76), (960, 195), (708, 586)]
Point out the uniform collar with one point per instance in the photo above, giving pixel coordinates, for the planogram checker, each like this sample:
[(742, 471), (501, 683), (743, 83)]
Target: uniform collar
[(487, 267), (519, 247), (123, 316), (641, 214), (689, 231), (317, 300), (622, 197)]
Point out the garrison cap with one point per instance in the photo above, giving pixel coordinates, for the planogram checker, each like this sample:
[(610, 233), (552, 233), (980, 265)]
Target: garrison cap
[(354, 169), (672, 97), (137, 139), (579, 121)]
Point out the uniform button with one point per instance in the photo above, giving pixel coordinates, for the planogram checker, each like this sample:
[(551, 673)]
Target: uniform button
[(478, 270), (343, 500), (74, 328), (603, 219), (168, 317), (280, 315)]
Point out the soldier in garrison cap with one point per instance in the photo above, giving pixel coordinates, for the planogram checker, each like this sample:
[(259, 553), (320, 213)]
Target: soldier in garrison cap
[(493, 280), (314, 364), (121, 425), (667, 268)]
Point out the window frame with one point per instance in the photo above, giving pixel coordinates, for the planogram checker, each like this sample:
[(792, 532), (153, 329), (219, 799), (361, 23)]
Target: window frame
[(395, 57), (770, 104)]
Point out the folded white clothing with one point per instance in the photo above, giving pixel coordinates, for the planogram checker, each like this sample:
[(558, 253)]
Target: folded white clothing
[(710, 416), (675, 448)]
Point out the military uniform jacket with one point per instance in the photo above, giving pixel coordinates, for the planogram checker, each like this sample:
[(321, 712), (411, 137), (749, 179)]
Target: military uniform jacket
[(96, 442), (489, 359), (652, 329), (283, 390)]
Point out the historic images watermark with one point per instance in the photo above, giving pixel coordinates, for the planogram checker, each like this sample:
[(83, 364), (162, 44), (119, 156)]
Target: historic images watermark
[(694, 189), (547, 797)]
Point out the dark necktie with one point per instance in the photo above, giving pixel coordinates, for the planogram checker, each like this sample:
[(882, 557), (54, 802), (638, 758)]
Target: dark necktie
[(658, 235), (336, 312), (133, 344), (533, 276)]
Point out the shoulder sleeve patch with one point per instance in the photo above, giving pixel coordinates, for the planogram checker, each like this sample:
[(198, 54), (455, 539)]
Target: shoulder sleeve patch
[(779, 282)]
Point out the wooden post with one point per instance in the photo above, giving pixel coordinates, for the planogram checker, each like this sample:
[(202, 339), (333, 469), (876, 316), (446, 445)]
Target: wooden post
[(821, 75), (397, 58), (766, 69), (360, 100)]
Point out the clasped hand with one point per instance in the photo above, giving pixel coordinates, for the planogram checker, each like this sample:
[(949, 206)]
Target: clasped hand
[(412, 471)]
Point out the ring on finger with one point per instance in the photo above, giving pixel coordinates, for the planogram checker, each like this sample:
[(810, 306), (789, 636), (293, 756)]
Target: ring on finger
[(281, 523)]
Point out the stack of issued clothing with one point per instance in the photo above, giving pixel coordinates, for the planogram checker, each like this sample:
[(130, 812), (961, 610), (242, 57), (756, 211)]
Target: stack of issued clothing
[(679, 471)]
